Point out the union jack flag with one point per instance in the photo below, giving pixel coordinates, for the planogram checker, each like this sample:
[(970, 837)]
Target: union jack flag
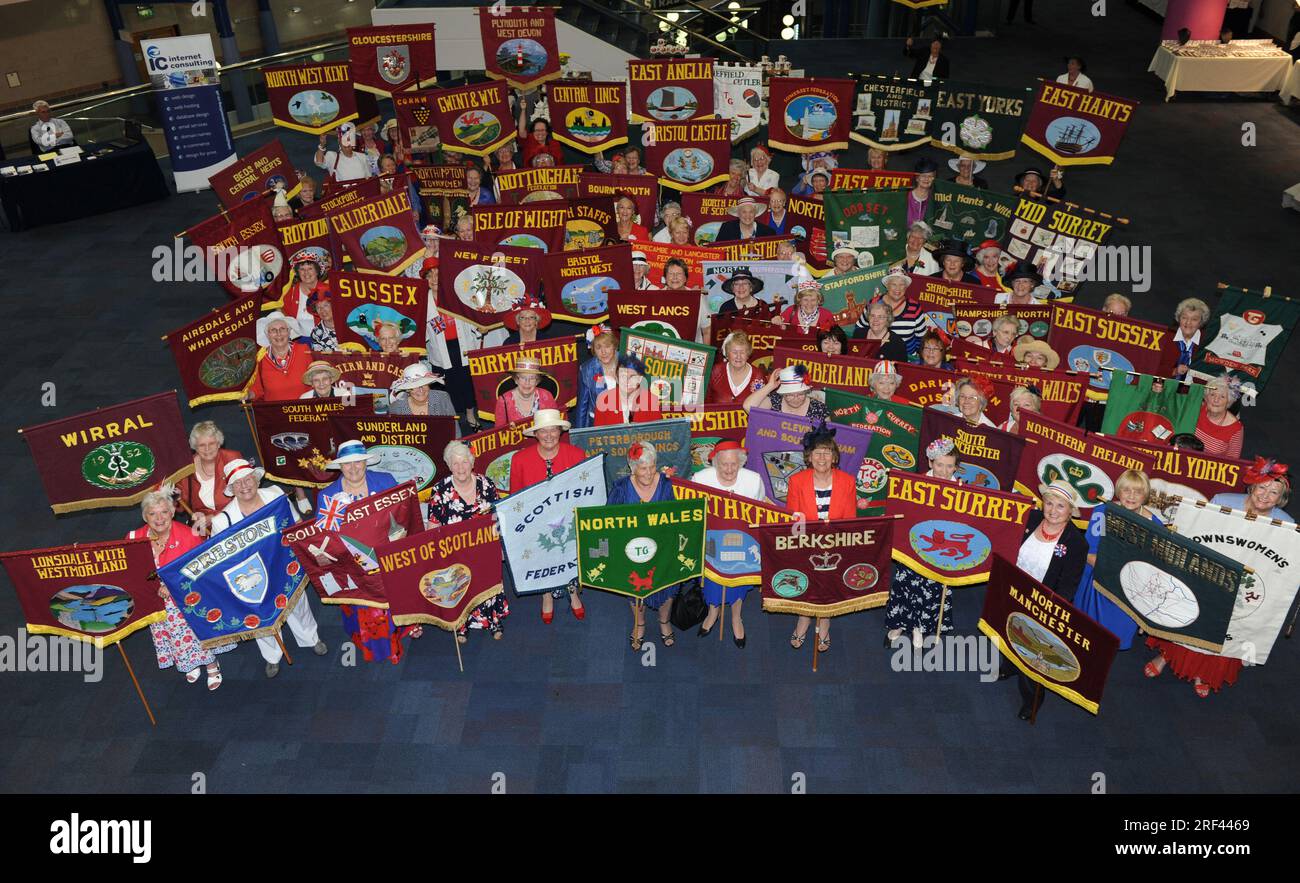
[(332, 515)]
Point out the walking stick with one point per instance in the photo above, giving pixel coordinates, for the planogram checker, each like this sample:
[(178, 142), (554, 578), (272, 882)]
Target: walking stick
[(138, 691), (1290, 627)]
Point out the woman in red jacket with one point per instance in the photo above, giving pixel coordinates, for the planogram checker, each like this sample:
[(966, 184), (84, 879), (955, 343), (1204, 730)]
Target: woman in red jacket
[(821, 491), (630, 401)]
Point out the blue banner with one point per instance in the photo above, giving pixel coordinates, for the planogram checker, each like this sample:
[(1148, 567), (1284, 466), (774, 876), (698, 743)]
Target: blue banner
[(537, 529), (239, 584)]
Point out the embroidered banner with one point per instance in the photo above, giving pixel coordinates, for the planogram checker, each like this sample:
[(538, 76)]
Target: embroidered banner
[(1245, 336), (871, 179), (409, 446), (711, 424), (641, 189), (495, 448), (892, 113), (440, 575), (295, 440), (370, 374), (1136, 412), (1049, 639), (640, 548), (951, 529), (774, 445), (968, 214), (988, 120), (1174, 587), (1077, 127), (1090, 463), (309, 237), (473, 119), (337, 549), (1058, 240), (677, 371), (671, 438), (93, 592), (311, 98), (392, 58), (1098, 343), (706, 212), (1190, 475), (379, 234), (590, 224), (239, 584), (579, 283), (826, 568), (814, 113), (974, 322), (1062, 392), (738, 97), (446, 181), (243, 246), (538, 531), (539, 225), (666, 313), (215, 355), (536, 185), (731, 555), (493, 371), (871, 222), (946, 294), (480, 283), (590, 117), (849, 295), (776, 281), (671, 90), (265, 169), (690, 155), (519, 45), (416, 127), (111, 456), (362, 301), (988, 458), (807, 221), (895, 440)]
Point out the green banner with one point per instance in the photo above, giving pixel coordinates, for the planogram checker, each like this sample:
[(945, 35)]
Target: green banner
[(895, 438), (677, 371), (847, 296), (640, 548), (871, 222), (1245, 336), (1136, 412), (968, 214)]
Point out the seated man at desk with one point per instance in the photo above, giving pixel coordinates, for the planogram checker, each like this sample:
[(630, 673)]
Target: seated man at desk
[(49, 132)]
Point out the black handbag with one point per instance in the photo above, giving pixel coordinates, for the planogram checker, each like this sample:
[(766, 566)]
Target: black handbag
[(689, 609)]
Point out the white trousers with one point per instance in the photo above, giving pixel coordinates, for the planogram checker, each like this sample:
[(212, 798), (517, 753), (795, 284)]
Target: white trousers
[(303, 625)]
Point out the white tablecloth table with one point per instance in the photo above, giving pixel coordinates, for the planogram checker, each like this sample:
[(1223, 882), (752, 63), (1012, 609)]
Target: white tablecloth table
[(1186, 74), (1291, 88)]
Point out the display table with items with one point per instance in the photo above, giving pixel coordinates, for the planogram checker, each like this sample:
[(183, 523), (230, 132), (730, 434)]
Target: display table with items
[(1211, 66), (78, 182)]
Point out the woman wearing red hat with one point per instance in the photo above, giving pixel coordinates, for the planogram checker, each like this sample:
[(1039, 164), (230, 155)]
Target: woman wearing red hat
[(728, 473), (1268, 489), (988, 257), (525, 320), (307, 283), (761, 177)]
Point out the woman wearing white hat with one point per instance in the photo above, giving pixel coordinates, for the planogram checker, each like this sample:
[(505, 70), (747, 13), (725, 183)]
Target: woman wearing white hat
[(787, 392), (242, 480), (843, 260), (532, 465), (807, 312), (916, 257), (419, 399), (761, 176), (885, 380), (345, 164), (370, 629), (282, 362), (641, 272), (968, 169), (745, 226)]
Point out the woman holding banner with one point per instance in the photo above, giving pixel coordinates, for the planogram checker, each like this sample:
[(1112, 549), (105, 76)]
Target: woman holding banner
[(727, 473), (625, 215), (645, 484), (822, 491), (735, 379), (282, 362), (527, 398), (307, 286), (629, 401), (1021, 398), (200, 491), (596, 375), (879, 316), (916, 602), (1190, 316), (807, 313)]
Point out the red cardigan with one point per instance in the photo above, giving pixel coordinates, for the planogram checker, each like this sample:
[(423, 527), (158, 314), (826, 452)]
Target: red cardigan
[(274, 384), (188, 487), (645, 407), (719, 392), (802, 498)]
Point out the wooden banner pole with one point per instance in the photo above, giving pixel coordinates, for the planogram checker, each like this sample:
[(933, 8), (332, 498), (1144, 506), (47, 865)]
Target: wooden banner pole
[(138, 691), (1038, 699), (279, 639), (938, 625), (722, 614), (816, 643), (459, 659)]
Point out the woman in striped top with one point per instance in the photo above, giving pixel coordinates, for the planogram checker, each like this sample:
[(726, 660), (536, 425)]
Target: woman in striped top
[(909, 320), (1220, 431)]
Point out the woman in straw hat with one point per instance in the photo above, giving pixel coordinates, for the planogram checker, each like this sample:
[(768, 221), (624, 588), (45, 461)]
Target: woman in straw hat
[(1036, 354), (536, 463), (323, 378), (527, 398)]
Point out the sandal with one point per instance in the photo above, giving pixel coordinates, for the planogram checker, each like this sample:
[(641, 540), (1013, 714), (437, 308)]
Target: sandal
[(214, 679), (670, 638), (192, 676), (1151, 671), (823, 643), (1202, 690), (796, 640)]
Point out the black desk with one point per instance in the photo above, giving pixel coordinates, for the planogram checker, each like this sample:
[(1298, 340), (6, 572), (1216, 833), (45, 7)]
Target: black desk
[(121, 178)]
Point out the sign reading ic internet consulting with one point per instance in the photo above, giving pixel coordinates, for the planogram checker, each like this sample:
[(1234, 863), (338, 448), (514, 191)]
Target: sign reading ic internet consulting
[(183, 73)]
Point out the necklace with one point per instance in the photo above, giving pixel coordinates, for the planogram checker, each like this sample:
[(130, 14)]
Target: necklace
[(1042, 529)]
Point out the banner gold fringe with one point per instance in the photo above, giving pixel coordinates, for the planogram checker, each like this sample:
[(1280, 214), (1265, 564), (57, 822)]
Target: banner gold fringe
[(373, 90), (1064, 692), (903, 558), (100, 641), (519, 85), (808, 148), (839, 608), (317, 130), (117, 502), (261, 631), (430, 619), (1122, 603), (587, 148), (1065, 160)]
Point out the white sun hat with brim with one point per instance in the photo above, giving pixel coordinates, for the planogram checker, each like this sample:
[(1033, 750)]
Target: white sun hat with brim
[(545, 419), (264, 323), (352, 451), (417, 374), (237, 469), (1064, 490)]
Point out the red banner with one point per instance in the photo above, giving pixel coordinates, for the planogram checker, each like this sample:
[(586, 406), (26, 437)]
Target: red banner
[(111, 456), (671, 313), (245, 247), (826, 568), (588, 116), (1097, 342), (473, 119), (590, 224), (311, 98), (440, 575), (814, 113), (1077, 127), (1090, 463), (711, 424), (266, 168), (93, 592), (807, 222), (409, 446), (415, 125), (379, 234), (539, 225), (294, 439), (763, 335), (871, 179), (392, 58), (578, 283), (988, 457), (445, 180), (975, 321), (690, 155), (369, 373), (949, 531), (948, 294), (364, 300), (1062, 392), (310, 236), (337, 548), (493, 370), (1192, 475), (706, 212), (536, 185), (641, 189), (694, 256), (731, 555), (216, 355), (495, 448), (519, 45), (480, 283), (671, 90)]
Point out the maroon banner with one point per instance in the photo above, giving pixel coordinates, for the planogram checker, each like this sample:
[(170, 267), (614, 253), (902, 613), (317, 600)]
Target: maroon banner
[(871, 179), (369, 373), (294, 439), (415, 125), (473, 119), (244, 245), (440, 575), (671, 90), (810, 115), (111, 456), (311, 98), (1192, 475), (988, 457), (392, 58), (310, 236), (362, 301), (808, 223), (539, 225), (975, 321), (1097, 342), (444, 180), (826, 568), (763, 335), (1077, 127), (265, 169), (760, 248), (579, 283), (495, 448), (946, 294), (493, 371), (829, 372), (216, 355), (671, 313), (690, 155), (926, 386), (409, 446), (1050, 640), (694, 256), (588, 116), (94, 592), (379, 234), (949, 530), (519, 45), (480, 283), (706, 208), (641, 189), (1090, 463), (590, 224), (337, 548), (1063, 392), (711, 424), (537, 185)]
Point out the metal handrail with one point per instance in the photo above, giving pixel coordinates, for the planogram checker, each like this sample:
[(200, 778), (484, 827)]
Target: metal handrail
[(677, 26), (729, 23)]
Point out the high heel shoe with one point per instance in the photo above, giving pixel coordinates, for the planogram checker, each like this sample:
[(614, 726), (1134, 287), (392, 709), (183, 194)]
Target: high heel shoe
[(579, 613), (547, 616), (703, 632), (740, 642)]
